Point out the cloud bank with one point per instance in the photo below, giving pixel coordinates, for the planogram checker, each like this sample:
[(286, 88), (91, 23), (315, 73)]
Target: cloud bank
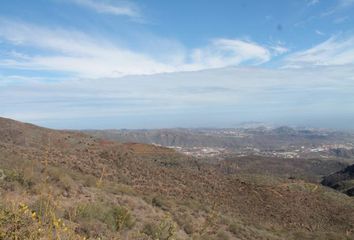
[(220, 97), (77, 53)]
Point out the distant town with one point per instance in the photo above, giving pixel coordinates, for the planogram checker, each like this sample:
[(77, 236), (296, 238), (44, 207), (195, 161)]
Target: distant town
[(321, 151)]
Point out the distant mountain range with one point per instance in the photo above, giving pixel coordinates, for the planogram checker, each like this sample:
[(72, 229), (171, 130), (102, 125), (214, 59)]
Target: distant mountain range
[(232, 137)]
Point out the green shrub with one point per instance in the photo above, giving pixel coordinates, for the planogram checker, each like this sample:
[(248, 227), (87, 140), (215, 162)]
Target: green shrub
[(165, 230), (185, 221), (118, 188), (150, 229), (234, 228), (221, 235), (61, 178), (14, 176), (121, 218), (115, 217), (160, 203), (89, 180)]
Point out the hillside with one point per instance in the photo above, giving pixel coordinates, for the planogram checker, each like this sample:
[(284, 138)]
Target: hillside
[(73, 185), (342, 180)]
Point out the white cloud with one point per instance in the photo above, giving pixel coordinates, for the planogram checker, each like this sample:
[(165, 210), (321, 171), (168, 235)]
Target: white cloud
[(318, 32), (227, 52), (279, 49), (80, 54), (114, 9), (334, 51), (312, 2), (74, 52)]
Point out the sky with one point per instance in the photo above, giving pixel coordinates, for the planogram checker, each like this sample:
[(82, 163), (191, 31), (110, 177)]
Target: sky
[(84, 64)]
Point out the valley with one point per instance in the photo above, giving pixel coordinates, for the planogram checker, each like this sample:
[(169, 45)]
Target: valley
[(282, 142)]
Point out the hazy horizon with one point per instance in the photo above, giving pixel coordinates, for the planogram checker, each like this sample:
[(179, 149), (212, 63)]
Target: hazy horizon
[(79, 126)]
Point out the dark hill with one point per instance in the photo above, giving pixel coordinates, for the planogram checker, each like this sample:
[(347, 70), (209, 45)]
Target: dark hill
[(342, 180)]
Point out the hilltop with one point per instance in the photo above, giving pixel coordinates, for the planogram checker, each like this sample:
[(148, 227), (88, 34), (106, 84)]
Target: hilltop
[(113, 190)]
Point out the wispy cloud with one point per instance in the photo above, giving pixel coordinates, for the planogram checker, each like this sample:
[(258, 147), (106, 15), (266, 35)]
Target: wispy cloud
[(340, 5), (80, 54), (119, 8), (340, 20), (334, 51), (73, 52), (337, 7), (346, 3), (318, 32), (279, 49), (312, 2), (228, 52)]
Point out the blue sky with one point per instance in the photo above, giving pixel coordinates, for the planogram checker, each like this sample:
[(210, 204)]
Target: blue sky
[(156, 63)]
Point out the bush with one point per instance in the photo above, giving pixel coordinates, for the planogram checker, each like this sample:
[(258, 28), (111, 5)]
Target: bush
[(89, 181), (43, 206), (61, 178), (160, 203), (13, 176), (17, 225), (122, 218), (234, 228), (24, 223), (221, 235), (114, 217), (185, 221), (165, 230)]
